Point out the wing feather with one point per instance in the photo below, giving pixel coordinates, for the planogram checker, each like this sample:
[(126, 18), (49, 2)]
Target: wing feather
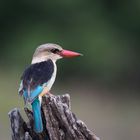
[(34, 77)]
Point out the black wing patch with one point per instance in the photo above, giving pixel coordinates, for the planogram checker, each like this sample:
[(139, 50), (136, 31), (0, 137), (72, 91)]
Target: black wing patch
[(37, 74)]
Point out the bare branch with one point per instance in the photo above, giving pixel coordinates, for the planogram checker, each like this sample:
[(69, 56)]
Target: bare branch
[(58, 120)]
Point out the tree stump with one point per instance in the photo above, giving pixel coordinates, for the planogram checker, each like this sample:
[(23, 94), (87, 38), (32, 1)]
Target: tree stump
[(58, 120)]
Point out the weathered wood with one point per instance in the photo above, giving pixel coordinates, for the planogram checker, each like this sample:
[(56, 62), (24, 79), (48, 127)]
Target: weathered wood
[(58, 120)]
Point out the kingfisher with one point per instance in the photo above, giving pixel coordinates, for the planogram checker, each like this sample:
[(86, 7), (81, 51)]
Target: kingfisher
[(39, 76)]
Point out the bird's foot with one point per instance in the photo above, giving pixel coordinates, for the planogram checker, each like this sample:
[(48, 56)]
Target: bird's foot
[(49, 94)]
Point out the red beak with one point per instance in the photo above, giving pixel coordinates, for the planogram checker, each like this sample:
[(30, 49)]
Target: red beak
[(68, 54)]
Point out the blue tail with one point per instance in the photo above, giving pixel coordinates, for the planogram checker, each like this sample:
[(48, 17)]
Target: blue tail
[(38, 126)]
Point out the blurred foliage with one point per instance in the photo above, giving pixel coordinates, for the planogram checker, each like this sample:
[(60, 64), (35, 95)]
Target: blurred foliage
[(106, 32)]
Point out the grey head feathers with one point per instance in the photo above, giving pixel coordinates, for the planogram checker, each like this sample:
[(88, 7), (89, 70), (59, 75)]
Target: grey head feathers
[(47, 51)]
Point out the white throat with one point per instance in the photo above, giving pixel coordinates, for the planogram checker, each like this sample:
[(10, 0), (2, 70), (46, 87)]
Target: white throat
[(40, 59)]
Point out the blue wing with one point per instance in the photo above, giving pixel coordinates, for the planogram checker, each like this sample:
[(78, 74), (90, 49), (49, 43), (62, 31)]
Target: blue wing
[(33, 94), (33, 79)]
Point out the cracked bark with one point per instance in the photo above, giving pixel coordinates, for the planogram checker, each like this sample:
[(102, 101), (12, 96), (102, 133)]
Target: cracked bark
[(58, 120)]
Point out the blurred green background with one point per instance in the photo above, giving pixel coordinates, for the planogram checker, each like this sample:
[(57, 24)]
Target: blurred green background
[(104, 84)]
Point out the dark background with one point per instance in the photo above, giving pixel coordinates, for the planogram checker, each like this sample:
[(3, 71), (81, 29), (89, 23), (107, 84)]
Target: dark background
[(103, 84)]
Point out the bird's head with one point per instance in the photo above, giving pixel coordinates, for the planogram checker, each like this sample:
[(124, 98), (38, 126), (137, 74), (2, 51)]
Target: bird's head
[(53, 52)]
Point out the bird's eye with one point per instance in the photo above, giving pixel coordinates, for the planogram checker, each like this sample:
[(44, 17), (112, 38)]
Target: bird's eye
[(54, 50)]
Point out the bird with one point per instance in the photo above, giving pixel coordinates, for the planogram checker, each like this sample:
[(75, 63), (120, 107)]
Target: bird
[(38, 78)]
